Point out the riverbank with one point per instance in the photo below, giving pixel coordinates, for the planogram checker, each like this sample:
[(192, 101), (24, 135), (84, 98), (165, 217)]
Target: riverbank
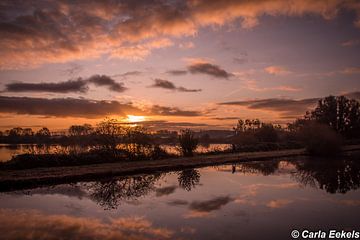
[(28, 178)]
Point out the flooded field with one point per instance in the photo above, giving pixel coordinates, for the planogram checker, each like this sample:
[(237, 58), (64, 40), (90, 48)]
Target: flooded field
[(241, 201), (9, 150)]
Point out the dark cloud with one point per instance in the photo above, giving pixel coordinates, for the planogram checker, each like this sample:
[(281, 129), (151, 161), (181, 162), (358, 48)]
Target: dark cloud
[(161, 83), (65, 107), (182, 89), (177, 72), (204, 206), (103, 80), (285, 106), (79, 85), (73, 70), (210, 205), (226, 118), (74, 107), (209, 69), (61, 87), (288, 108), (178, 202), (173, 111), (165, 191), (126, 74)]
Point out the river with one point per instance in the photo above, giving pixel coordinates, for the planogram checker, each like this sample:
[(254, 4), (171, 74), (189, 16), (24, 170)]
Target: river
[(242, 201)]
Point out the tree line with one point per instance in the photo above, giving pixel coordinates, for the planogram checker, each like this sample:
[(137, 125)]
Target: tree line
[(335, 120)]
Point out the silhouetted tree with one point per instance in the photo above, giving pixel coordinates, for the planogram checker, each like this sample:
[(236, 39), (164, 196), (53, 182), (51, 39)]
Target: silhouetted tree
[(188, 142), (43, 132), (340, 113), (263, 167), (253, 131), (27, 132), (247, 125), (267, 133), (240, 127), (109, 194), (16, 132), (297, 125), (80, 130), (334, 176), (137, 142), (109, 133), (188, 179)]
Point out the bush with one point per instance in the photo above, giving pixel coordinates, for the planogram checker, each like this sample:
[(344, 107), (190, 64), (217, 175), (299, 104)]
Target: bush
[(267, 133), (320, 139), (188, 142), (159, 153)]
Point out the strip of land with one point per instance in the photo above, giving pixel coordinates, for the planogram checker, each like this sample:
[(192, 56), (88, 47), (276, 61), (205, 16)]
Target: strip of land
[(21, 179)]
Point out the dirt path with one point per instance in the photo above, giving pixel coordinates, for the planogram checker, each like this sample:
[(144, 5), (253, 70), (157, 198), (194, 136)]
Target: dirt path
[(21, 179)]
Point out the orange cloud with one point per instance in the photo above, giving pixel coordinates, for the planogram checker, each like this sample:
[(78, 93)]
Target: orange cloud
[(277, 70), (351, 70), (31, 224), (140, 51), (221, 12), (55, 32), (253, 86), (287, 88), (350, 202), (196, 214), (279, 203), (351, 43), (186, 45)]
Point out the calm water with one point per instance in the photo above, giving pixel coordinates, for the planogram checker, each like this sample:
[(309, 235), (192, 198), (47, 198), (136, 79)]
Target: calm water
[(7, 150), (243, 201)]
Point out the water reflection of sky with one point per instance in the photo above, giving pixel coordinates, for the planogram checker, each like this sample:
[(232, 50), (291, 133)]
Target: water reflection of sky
[(257, 200)]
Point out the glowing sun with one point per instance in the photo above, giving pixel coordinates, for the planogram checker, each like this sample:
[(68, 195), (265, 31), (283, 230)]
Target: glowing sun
[(133, 118)]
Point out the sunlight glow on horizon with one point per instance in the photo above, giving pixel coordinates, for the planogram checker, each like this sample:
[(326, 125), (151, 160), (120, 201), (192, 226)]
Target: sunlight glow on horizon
[(133, 118)]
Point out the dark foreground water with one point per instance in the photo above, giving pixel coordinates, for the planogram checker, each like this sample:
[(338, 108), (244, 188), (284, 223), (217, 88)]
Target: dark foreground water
[(261, 200)]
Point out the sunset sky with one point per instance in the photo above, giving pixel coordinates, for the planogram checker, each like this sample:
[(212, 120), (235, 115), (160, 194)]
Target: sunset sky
[(174, 64)]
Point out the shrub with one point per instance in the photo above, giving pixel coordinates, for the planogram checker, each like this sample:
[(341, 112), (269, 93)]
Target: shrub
[(159, 153), (188, 142), (267, 133), (320, 139)]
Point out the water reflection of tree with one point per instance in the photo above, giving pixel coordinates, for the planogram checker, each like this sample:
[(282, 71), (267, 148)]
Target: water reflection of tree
[(266, 167), (188, 179), (333, 176), (109, 194)]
